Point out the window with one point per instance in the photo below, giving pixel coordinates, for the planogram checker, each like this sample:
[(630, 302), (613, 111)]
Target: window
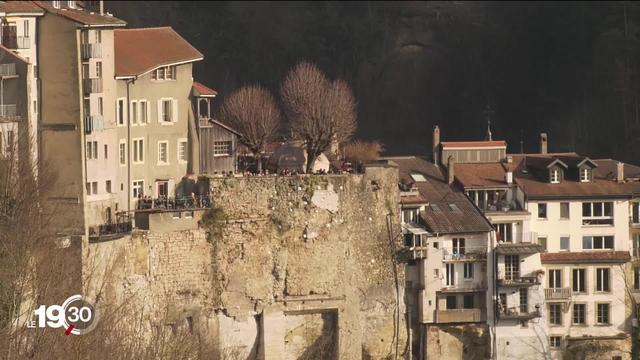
[(182, 152), (56, 4), (564, 210), (138, 188), (542, 210), (162, 152), (579, 280), (555, 176), (602, 314), (542, 241), (636, 278), (579, 314), (120, 111), (94, 187), (98, 36), (92, 149), (107, 186), (452, 302), (524, 300), (555, 279), (25, 28), (167, 110), (221, 148), (164, 73), (450, 275), (512, 267), (122, 153), (138, 151), (585, 175), (408, 215), (88, 188), (458, 246), (89, 151), (468, 270), (597, 213), (106, 151), (564, 243), (504, 232), (602, 280), (134, 112), (468, 302), (71, 4), (597, 242), (100, 106), (555, 342), (555, 314), (144, 116), (98, 69), (636, 245)]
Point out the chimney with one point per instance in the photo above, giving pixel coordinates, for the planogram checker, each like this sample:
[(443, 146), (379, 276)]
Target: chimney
[(101, 7), (543, 143), (508, 176), (620, 172), (451, 163), (436, 145)]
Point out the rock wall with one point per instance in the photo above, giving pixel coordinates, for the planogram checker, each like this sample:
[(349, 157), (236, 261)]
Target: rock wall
[(293, 265), (468, 341)]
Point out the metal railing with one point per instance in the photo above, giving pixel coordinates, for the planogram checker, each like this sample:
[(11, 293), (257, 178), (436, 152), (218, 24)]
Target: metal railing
[(115, 228), (204, 121), (465, 253), (91, 51), (8, 111), (514, 277), (169, 203), (92, 86), (517, 313), (557, 293), (7, 69)]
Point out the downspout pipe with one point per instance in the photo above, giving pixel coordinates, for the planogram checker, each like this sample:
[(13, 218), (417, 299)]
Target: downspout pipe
[(128, 146)]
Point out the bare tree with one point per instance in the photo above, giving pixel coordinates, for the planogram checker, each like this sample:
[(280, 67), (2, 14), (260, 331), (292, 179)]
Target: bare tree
[(320, 111), (360, 152), (252, 111)]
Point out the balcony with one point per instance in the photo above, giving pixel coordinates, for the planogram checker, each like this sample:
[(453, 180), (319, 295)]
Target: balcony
[(93, 123), (204, 122), (8, 70), (91, 51), (518, 314), (514, 279), (16, 42), (169, 204), (557, 293), (92, 86), (9, 112), (466, 254), (458, 316), (109, 231)]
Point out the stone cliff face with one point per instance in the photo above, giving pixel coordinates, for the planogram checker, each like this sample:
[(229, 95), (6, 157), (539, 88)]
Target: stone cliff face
[(290, 267)]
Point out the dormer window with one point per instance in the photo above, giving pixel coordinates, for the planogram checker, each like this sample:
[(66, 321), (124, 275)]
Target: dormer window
[(555, 176), (56, 4), (164, 73), (71, 4), (585, 175)]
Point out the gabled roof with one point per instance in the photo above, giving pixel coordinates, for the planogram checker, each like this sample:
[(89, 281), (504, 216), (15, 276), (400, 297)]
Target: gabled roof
[(20, 7), (139, 51), (473, 144), (82, 17), (228, 128), (481, 175), (200, 90)]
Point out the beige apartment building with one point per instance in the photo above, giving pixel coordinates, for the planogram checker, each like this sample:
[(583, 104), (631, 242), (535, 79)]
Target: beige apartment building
[(77, 127), (155, 123)]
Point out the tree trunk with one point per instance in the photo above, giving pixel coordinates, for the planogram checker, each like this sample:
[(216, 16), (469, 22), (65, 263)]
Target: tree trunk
[(258, 158), (311, 159)]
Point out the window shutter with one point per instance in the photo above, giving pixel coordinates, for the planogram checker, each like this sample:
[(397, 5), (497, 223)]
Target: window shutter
[(160, 111), (148, 109), (174, 109)]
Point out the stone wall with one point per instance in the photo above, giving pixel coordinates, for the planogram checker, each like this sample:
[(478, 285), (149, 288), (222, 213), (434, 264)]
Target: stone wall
[(296, 264), (465, 341)]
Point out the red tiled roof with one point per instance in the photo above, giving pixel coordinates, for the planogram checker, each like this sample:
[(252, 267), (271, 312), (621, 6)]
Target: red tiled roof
[(20, 7), (202, 90), (585, 257), (473, 144), (81, 16), (480, 174), (603, 184), (141, 50)]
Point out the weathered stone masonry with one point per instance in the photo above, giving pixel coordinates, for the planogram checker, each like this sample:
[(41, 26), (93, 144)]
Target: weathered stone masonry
[(299, 267)]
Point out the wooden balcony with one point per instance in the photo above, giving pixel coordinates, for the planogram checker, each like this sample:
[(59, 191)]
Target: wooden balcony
[(9, 112), (458, 316), (516, 314), (557, 293)]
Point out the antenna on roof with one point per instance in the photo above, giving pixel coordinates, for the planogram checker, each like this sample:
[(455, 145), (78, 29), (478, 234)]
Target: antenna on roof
[(521, 142), (488, 114)]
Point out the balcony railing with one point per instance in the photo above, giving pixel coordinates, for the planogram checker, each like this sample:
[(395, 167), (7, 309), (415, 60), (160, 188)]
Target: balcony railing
[(111, 230), (92, 86), (93, 123), (90, 51), (470, 253), (513, 278), (9, 112), (516, 313), (16, 42), (459, 316), (7, 70), (557, 293), (204, 122), (168, 203)]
